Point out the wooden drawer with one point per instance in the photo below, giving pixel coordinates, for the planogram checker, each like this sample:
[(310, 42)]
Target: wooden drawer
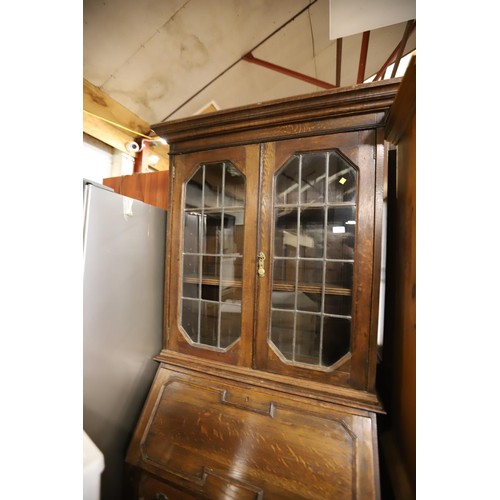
[(151, 488)]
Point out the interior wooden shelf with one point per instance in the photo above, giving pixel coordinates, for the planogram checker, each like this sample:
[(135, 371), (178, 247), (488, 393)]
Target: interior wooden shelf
[(282, 286), (277, 286), (212, 281)]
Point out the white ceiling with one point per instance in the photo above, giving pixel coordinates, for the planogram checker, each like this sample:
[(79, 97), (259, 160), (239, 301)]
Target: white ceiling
[(170, 59)]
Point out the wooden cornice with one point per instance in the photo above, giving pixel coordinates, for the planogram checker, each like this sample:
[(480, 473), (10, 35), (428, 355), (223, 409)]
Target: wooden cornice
[(404, 108), (273, 115)]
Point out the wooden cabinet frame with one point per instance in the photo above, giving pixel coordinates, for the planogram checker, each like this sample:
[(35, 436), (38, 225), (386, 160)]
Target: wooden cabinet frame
[(238, 400)]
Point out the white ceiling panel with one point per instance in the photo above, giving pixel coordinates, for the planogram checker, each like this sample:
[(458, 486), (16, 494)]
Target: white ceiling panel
[(348, 17), (168, 59), (114, 30)]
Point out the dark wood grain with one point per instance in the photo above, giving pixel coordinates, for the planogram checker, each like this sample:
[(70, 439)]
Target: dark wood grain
[(246, 422), (398, 381), (268, 446), (305, 110), (246, 161)]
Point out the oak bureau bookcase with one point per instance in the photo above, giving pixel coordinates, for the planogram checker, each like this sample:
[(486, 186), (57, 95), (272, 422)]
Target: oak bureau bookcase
[(266, 382)]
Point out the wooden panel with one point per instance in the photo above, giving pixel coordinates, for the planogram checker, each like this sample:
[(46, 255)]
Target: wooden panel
[(398, 381), (151, 187), (216, 438)]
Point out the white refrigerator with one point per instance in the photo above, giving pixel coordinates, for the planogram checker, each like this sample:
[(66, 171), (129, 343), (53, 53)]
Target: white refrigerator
[(124, 244)]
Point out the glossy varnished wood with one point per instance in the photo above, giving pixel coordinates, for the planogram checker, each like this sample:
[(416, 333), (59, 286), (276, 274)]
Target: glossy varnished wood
[(245, 422), (246, 160), (215, 438), (346, 108), (150, 187), (398, 372), (359, 148), (339, 394)]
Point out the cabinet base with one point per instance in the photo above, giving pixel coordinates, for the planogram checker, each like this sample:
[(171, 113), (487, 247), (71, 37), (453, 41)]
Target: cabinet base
[(207, 437)]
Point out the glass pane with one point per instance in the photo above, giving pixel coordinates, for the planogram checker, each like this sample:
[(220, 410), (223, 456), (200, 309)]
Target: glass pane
[(192, 227), (231, 294), (336, 339), (231, 268), (283, 300), (189, 318), (212, 233), (339, 274), (210, 292), (233, 232), (338, 304), (311, 272), (191, 266), (213, 228), (318, 240), (194, 189), (191, 283), (312, 232), (287, 183), (209, 322), (342, 180), (211, 266), (340, 233), (234, 187), (230, 323), (284, 272), (282, 332), (313, 178), (285, 236), (307, 338), (308, 302), (213, 185)]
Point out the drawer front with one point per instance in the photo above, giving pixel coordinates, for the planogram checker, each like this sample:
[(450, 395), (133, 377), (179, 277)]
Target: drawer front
[(154, 489), (232, 441)]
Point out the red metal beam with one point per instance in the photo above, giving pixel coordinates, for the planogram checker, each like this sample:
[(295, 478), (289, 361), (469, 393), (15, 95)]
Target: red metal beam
[(402, 45), (391, 58), (339, 62), (362, 57), (280, 69)]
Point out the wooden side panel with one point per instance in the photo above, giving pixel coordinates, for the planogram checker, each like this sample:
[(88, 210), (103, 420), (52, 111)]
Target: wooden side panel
[(228, 440), (398, 381), (151, 187)]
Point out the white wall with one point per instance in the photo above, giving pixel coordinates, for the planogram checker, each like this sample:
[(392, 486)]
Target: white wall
[(101, 160)]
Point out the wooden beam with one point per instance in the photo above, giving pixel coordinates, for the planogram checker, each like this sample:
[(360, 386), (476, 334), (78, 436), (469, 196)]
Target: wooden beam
[(99, 103), (110, 122), (280, 69), (339, 62), (362, 57)]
